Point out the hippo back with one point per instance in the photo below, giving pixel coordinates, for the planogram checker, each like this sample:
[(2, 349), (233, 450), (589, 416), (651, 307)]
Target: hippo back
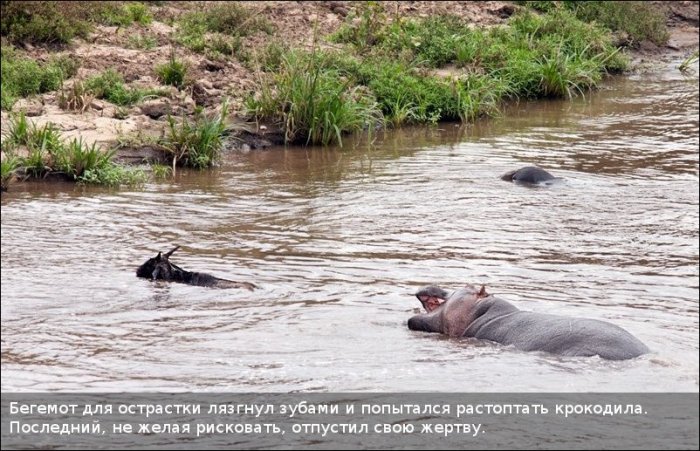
[(529, 331)]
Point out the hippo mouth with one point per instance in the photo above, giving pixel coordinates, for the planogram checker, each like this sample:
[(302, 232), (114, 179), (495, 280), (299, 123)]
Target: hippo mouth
[(430, 303)]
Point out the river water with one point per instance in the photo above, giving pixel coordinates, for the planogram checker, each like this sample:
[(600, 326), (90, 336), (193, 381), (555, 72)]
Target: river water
[(339, 240)]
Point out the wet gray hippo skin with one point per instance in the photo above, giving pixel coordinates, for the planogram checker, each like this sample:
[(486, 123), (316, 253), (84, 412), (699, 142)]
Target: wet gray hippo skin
[(529, 174), (470, 312)]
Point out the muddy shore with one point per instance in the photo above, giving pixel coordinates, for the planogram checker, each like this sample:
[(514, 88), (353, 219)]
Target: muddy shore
[(211, 81)]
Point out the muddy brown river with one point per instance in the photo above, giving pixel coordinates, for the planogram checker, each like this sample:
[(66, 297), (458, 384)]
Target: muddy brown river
[(339, 240)]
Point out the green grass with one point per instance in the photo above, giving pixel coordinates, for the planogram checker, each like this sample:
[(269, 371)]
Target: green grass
[(55, 23), (113, 13), (38, 23), (312, 101), (141, 41), (173, 73), (23, 76), (114, 175), (76, 157), (218, 30), (110, 86), (686, 63), (47, 153), (549, 55), (638, 19), (8, 169), (161, 171), (196, 143)]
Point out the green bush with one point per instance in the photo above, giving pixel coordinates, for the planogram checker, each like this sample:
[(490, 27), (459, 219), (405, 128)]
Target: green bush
[(22, 76), (49, 22)]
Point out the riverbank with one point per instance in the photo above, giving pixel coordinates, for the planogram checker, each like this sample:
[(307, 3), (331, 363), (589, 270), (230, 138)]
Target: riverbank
[(149, 79)]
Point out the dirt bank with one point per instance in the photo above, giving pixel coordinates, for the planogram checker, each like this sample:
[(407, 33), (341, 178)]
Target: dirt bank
[(136, 128)]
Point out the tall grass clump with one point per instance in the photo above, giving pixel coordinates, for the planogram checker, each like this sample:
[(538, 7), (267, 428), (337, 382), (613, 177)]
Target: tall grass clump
[(430, 42), (196, 143), (76, 97), (76, 157), (46, 153), (408, 95), (312, 102), (8, 169), (173, 73)]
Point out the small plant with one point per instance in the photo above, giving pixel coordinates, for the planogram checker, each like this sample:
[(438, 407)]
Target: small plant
[(18, 130), (173, 72), (141, 41), (124, 15), (110, 86), (7, 99), (197, 143), (691, 59), (9, 167), (77, 97), (121, 112), (161, 171), (139, 13), (41, 143), (114, 174)]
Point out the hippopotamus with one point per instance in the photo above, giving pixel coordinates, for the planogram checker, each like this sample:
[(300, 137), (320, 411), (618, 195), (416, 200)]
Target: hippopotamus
[(530, 175), (472, 312), (160, 268)]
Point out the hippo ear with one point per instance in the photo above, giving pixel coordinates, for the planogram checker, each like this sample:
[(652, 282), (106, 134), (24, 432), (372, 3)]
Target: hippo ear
[(482, 293), (158, 257)]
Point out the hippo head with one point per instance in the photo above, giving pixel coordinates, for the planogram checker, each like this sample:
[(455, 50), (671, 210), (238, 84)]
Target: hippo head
[(158, 267), (431, 297), (508, 176)]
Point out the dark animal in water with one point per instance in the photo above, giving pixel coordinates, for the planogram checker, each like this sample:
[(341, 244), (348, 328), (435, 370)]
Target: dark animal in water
[(530, 175), (160, 268)]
